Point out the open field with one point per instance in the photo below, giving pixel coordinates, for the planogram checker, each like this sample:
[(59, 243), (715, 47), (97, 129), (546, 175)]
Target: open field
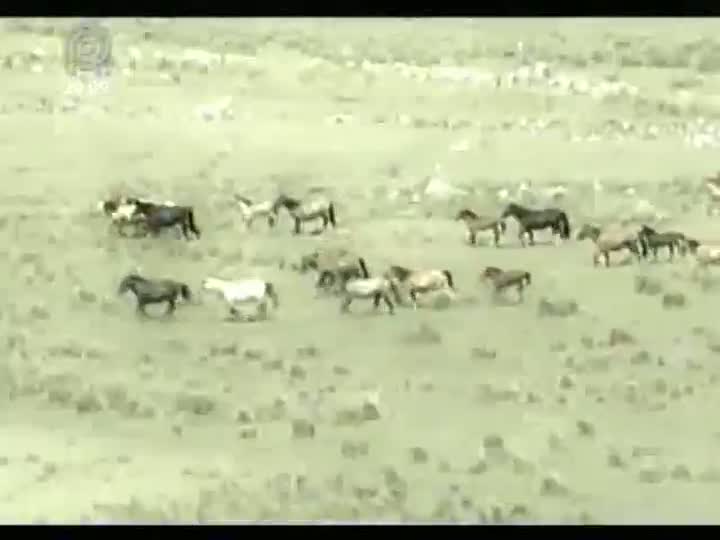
[(477, 412)]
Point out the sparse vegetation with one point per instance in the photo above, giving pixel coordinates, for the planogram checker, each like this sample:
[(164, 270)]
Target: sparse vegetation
[(571, 406)]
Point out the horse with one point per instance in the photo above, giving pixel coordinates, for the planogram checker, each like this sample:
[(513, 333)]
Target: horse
[(530, 220), (160, 216), (125, 214), (705, 255), (109, 206), (250, 211), (502, 279), (154, 291), (246, 291), (612, 239), (377, 288), (476, 224), (654, 240), (320, 208), (421, 281)]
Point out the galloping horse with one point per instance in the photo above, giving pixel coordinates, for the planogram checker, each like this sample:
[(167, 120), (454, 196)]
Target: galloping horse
[(154, 291), (613, 238), (476, 224), (502, 279), (320, 208), (160, 216), (246, 291), (530, 220), (377, 288), (251, 211), (654, 240), (421, 281)]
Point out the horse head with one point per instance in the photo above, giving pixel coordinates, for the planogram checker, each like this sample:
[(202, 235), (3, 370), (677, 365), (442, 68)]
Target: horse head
[(512, 209), (399, 272), (588, 231), (128, 282), (465, 213), (284, 201), (491, 272), (645, 230)]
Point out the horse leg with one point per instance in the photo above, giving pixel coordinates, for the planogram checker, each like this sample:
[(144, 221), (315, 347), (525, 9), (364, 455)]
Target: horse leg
[(531, 237), (297, 226), (413, 297), (325, 221), (345, 305), (388, 303), (521, 235), (520, 288), (141, 308), (671, 250), (376, 300), (606, 255), (170, 307)]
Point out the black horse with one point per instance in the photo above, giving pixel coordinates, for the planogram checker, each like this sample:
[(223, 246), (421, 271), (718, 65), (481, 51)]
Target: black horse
[(319, 208), (653, 240), (530, 220), (161, 216), (154, 291)]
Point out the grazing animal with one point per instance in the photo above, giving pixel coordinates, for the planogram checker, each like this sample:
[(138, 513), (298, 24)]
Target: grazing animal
[(502, 279), (530, 220), (476, 224), (160, 216), (251, 211), (654, 240), (612, 238), (378, 288), (421, 281), (154, 291), (301, 212), (247, 291)]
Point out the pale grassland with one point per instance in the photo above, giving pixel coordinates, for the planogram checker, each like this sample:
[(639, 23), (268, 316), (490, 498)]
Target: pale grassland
[(109, 417)]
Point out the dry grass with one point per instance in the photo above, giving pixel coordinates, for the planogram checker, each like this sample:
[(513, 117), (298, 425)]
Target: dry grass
[(471, 412)]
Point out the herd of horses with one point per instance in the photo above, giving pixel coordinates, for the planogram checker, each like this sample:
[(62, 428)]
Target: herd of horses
[(346, 273)]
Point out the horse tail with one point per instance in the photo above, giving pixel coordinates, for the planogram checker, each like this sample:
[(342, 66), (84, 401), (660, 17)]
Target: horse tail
[(528, 278), (564, 226), (449, 278), (185, 291), (191, 222), (331, 214), (363, 268), (272, 293)]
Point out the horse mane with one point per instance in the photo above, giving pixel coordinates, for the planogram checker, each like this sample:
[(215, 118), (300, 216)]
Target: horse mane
[(648, 230), (467, 212), (493, 270), (244, 200), (401, 272), (288, 202)]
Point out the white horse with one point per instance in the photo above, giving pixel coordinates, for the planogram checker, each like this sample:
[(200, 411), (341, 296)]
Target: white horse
[(377, 288), (250, 211), (247, 291)]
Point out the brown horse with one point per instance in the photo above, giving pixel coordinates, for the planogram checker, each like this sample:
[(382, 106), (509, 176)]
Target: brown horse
[(613, 238), (476, 224), (421, 281), (502, 279)]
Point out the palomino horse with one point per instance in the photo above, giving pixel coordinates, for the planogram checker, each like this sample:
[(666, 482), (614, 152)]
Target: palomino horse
[(251, 211), (377, 288), (421, 281), (530, 220), (502, 279), (319, 208), (154, 291), (654, 240), (476, 224), (247, 291), (613, 238)]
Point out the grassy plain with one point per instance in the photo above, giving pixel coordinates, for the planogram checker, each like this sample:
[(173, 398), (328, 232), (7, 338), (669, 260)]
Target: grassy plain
[(477, 412)]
